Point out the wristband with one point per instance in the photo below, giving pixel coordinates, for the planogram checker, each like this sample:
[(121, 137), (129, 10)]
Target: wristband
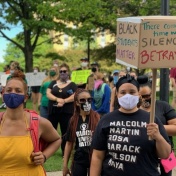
[(44, 158)]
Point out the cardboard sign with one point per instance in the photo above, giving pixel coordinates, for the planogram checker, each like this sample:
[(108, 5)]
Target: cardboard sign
[(80, 76), (35, 79), (91, 82), (146, 42)]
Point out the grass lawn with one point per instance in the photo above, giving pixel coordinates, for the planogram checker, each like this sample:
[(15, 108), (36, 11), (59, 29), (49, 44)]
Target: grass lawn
[(55, 162)]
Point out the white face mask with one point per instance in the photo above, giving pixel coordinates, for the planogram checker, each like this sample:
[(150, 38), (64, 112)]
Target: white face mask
[(12, 71), (84, 64), (35, 71), (128, 101), (55, 65)]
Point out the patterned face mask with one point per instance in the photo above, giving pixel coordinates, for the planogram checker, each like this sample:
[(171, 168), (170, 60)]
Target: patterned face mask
[(86, 106)]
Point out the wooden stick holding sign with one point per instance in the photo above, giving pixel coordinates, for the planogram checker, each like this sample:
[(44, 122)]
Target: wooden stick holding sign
[(153, 97)]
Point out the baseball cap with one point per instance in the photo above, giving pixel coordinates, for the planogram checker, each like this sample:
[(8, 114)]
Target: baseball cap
[(84, 59), (115, 71), (94, 63)]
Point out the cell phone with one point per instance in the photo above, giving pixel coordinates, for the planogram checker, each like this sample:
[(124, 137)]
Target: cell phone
[(55, 104)]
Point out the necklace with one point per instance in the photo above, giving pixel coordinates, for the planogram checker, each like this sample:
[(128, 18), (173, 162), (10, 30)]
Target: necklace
[(60, 83), (60, 90)]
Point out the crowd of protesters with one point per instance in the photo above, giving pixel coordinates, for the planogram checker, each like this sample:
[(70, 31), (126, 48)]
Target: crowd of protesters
[(105, 120)]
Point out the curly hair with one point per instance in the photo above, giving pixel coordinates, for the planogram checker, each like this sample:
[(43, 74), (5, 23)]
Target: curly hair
[(19, 75), (93, 116)]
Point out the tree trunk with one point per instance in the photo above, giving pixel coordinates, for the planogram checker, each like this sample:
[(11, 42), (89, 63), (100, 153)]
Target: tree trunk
[(28, 51), (28, 60)]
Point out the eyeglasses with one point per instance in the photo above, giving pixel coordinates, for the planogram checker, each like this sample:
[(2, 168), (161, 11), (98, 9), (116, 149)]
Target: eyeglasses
[(63, 71), (146, 96), (84, 100)]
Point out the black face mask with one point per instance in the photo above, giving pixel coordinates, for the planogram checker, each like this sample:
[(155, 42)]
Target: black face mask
[(94, 69), (146, 103)]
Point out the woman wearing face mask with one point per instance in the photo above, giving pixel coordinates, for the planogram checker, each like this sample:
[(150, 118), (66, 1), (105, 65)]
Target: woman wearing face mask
[(16, 149), (43, 99), (121, 144), (35, 91), (101, 95), (60, 93), (79, 135), (163, 111)]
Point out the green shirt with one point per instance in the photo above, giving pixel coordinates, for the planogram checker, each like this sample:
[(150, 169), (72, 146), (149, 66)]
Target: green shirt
[(43, 88)]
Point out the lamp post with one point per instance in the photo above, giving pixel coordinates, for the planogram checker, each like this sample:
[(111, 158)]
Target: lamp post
[(164, 72)]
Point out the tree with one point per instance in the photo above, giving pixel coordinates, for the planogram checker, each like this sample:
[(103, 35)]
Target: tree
[(88, 18), (42, 55), (28, 15)]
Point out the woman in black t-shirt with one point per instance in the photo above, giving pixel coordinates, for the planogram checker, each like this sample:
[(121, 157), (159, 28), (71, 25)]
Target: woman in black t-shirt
[(163, 111), (120, 142), (79, 132), (60, 106)]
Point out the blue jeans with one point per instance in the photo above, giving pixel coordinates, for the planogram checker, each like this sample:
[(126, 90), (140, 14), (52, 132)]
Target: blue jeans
[(44, 111)]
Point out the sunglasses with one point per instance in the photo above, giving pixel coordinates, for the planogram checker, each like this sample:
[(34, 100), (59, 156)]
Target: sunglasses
[(84, 100), (63, 71), (146, 96)]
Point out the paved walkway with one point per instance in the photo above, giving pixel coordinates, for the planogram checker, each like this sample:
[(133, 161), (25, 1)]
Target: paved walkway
[(59, 173)]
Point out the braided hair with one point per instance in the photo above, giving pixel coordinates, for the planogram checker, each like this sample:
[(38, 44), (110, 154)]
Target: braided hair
[(93, 116)]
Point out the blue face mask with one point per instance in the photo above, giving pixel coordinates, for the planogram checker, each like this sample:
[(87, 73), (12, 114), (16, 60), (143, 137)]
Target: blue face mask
[(115, 79), (13, 100)]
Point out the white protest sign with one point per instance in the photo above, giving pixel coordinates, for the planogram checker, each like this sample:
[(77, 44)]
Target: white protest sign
[(1, 73), (35, 79), (4, 79)]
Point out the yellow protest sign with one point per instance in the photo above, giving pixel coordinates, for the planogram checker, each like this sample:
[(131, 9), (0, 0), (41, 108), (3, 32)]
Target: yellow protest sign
[(80, 76)]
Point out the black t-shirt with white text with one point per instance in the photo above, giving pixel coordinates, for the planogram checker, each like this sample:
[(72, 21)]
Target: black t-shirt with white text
[(83, 141), (129, 152)]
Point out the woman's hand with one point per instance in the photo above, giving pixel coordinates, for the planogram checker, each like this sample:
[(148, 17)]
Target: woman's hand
[(60, 102), (153, 131), (66, 171), (38, 158)]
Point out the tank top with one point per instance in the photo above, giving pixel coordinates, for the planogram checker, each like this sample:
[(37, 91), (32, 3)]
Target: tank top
[(15, 152)]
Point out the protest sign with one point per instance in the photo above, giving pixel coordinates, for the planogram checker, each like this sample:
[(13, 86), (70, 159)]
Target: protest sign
[(80, 76), (4, 79), (146, 42), (35, 79)]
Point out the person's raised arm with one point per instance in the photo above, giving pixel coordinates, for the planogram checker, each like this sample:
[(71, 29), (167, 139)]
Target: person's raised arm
[(96, 162)]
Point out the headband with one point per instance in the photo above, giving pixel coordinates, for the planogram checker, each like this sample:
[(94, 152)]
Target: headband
[(127, 79)]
